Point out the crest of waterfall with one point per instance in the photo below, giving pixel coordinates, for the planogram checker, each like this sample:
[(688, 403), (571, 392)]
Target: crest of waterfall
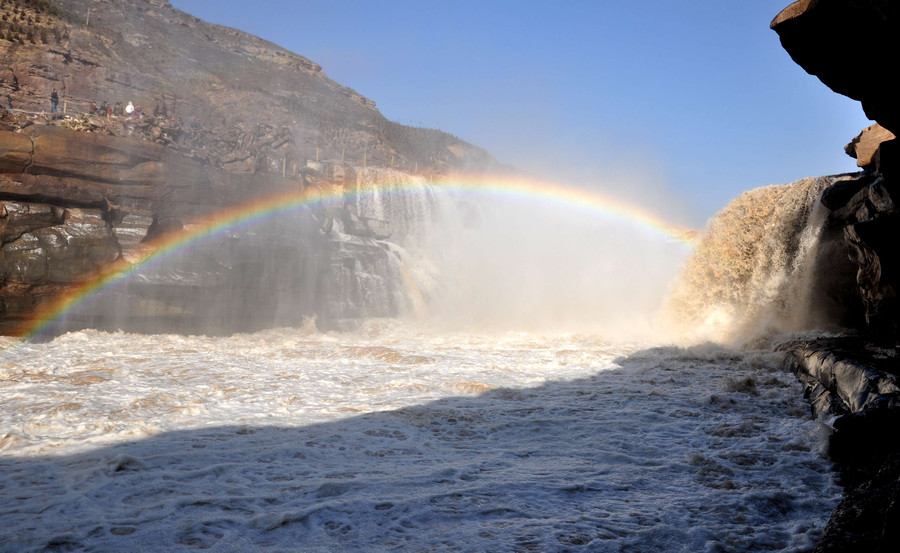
[(753, 271)]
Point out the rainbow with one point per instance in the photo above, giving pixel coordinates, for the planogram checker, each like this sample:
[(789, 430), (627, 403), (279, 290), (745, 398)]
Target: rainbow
[(568, 196), (249, 213)]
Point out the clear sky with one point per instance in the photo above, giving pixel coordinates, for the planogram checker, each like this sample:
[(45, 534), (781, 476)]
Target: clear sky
[(682, 105)]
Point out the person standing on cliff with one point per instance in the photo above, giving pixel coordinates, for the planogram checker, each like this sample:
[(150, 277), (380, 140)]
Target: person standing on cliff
[(54, 101)]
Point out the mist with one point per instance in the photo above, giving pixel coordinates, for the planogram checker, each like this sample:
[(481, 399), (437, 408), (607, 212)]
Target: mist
[(537, 264), (457, 257)]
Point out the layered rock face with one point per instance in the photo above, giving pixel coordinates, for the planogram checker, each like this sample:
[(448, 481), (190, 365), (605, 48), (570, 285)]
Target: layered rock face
[(172, 64), (74, 204), (849, 44), (228, 120)]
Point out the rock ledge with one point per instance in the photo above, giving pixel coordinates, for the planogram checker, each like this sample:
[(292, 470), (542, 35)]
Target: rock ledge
[(853, 382)]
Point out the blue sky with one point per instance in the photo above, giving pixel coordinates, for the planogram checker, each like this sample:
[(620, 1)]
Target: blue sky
[(680, 105)]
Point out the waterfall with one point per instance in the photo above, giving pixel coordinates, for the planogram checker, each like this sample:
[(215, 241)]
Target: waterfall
[(412, 207), (756, 268), (393, 275), (481, 259)]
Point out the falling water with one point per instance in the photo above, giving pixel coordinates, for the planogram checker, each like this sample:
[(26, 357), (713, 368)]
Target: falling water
[(753, 271)]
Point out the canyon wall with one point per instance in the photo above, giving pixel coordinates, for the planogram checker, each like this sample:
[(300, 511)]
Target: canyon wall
[(74, 205), (854, 381)]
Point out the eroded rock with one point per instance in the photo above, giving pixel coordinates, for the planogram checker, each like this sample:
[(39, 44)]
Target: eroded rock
[(864, 148), (854, 382), (847, 44)]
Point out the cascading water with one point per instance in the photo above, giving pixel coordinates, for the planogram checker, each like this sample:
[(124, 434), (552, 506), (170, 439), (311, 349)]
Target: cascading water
[(413, 207), (413, 212), (756, 269)]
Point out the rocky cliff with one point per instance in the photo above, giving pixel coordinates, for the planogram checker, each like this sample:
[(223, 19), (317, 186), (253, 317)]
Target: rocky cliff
[(223, 119), (216, 78), (850, 45), (75, 204)]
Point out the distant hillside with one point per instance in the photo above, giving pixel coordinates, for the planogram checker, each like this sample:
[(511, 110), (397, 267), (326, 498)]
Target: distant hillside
[(210, 77)]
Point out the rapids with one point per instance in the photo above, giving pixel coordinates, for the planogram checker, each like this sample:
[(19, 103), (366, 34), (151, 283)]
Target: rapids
[(395, 438)]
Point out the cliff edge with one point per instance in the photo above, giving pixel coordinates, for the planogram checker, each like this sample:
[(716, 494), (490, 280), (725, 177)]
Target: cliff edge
[(169, 63), (851, 45), (161, 120)]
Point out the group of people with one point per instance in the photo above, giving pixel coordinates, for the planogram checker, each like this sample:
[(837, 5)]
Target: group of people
[(104, 108), (107, 109), (117, 109)]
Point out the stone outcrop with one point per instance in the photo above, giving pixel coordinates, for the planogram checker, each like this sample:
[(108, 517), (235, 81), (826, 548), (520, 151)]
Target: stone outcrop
[(846, 376), (856, 384), (851, 46), (74, 204), (848, 44), (865, 210), (865, 146)]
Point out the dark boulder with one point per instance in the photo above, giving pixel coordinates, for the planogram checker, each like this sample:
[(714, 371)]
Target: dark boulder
[(851, 46), (855, 383), (868, 518)]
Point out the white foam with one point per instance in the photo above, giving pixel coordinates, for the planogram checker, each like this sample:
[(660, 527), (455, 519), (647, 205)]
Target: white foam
[(394, 439)]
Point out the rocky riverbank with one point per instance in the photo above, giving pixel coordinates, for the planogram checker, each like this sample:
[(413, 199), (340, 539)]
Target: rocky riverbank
[(853, 380), (854, 384)]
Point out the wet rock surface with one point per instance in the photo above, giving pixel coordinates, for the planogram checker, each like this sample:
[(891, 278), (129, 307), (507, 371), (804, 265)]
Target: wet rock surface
[(865, 215), (853, 382), (850, 45)]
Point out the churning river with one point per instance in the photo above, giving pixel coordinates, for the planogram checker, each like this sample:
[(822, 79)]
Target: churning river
[(397, 438)]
